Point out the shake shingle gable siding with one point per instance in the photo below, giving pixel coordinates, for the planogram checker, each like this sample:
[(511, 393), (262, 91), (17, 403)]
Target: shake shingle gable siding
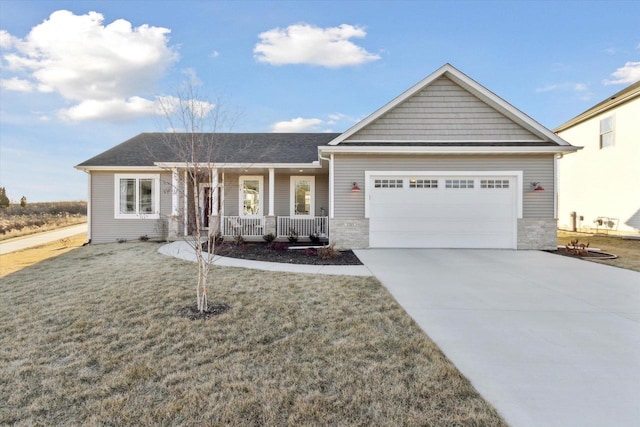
[(149, 148)]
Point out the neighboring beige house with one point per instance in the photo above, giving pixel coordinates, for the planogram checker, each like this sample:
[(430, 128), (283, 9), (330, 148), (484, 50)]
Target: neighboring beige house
[(446, 164), (599, 186)]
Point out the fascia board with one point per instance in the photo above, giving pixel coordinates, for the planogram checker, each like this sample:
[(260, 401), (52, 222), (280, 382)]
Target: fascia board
[(447, 150), (119, 168), (181, 165)]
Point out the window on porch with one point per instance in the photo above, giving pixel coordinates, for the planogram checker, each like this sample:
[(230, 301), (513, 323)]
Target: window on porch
[(302, 196), (251, 195)]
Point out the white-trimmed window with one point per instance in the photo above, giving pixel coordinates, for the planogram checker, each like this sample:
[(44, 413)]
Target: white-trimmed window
[(302, 200), (423, 183), (494, 183), (459, 183), (606, 132), (388, 183), (251, 190), (137, 196)]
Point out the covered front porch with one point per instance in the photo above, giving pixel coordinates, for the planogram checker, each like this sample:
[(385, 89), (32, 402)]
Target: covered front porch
[(250, 202)]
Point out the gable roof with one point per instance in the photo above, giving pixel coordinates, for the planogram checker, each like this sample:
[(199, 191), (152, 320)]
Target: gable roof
[(536, 131), (625, 95), (147, 149)]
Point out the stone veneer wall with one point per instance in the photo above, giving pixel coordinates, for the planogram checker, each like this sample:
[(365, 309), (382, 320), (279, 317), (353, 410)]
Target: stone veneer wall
[(349, 233), (538, 233), (270, 225)]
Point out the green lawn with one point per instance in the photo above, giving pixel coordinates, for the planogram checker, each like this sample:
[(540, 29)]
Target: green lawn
[(93, 337)]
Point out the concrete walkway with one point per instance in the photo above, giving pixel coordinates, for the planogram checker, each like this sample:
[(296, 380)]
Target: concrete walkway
[(548, 340), (184, 251), (19, 243)]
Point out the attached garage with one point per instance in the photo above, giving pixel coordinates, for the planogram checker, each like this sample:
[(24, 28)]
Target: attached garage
[(443, 210)]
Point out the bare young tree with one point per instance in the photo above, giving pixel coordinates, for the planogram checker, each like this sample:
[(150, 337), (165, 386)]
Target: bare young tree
[(194, 143)]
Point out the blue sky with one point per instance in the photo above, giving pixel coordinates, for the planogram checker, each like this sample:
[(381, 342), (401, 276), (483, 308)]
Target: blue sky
[(79, 77)]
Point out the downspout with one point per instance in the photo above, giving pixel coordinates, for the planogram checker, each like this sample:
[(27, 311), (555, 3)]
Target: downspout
[(330, 160)]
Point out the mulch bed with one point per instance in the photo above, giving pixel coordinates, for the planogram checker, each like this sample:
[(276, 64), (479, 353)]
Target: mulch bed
[(588, 254), (262, 252), (191, 312)]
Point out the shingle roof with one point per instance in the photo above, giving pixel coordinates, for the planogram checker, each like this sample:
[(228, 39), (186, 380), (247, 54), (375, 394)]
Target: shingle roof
[(148, 148)]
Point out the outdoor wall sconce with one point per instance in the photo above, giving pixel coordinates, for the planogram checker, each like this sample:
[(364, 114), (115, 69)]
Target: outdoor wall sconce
[(355, 188), (535, 186)]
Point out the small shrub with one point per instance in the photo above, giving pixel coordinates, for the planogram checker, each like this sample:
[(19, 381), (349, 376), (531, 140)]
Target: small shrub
[(218, 238), (121, 240), (315, 238), (278, 246), (238, 239), (577, 248), (310, 252), (328, 252), (144, 238), (293, 236), (269, 237)]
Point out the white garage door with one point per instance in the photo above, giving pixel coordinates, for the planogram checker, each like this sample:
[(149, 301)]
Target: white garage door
[(442, 211)]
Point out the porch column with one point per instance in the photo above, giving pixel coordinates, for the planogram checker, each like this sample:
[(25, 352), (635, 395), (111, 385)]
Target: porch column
[(272, 189), (173, 224), (185, 192), (214, 192)]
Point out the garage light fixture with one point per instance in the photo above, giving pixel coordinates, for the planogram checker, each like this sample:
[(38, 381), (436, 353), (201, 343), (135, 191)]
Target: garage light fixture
[(355, 188), (535, 186)]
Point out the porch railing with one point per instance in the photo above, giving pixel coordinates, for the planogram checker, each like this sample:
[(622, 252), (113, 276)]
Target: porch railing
[(240, 225), (303, 226)]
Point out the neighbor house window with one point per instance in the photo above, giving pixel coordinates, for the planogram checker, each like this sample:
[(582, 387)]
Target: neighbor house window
[(606, 132), (302, 195), (137, 196), (250, 195)]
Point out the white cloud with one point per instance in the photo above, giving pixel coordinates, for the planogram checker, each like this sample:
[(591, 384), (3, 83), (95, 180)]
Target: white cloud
[(581, 90), (307, 44), (547, 88), (580, 87), (297, 125), (627, 74), (16, 84), (7, 41), (214, 54), (132, 108), (90, 63)]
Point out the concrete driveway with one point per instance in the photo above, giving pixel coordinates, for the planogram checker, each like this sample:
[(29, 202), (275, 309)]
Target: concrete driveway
[(548, 340)]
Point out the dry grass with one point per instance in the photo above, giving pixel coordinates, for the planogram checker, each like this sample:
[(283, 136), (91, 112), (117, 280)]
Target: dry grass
[(92, 337), (14, 261), (628, 251), (16, 221)]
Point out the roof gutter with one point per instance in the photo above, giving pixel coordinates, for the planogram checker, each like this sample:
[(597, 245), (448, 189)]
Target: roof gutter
[(440, 150)]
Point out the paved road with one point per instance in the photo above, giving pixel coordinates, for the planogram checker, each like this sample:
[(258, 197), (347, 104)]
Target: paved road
[(548, 340), (19, 243)]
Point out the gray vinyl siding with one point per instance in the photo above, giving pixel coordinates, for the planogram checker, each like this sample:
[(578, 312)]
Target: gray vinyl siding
[(443, 111), (104, 227), (281, 194), (282, 199), (322, 194), (351, 168)]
